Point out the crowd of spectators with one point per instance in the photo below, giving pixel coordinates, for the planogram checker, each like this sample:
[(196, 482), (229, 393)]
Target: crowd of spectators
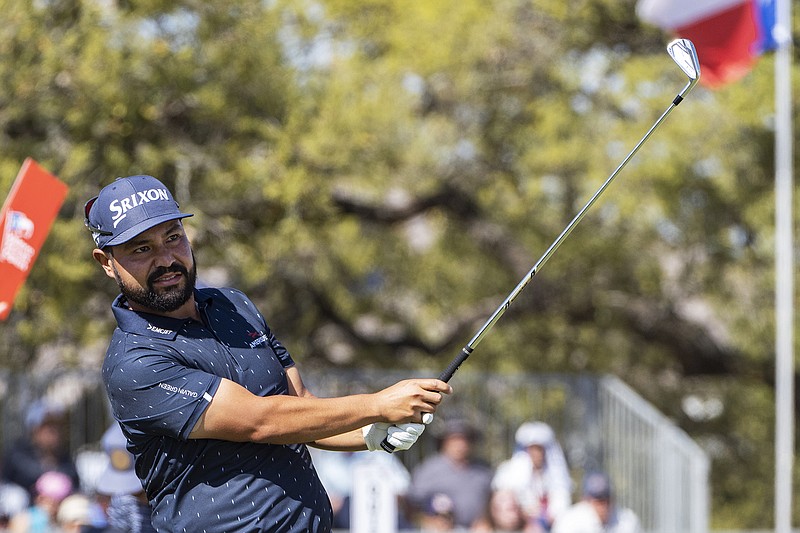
[(454, 489), (41, 490)]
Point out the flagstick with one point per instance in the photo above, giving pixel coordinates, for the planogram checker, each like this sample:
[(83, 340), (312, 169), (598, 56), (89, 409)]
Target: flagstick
[(784, 284)]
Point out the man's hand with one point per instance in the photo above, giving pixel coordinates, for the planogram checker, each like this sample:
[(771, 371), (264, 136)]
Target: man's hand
[(403, 436), (374, 435), (409, 400)]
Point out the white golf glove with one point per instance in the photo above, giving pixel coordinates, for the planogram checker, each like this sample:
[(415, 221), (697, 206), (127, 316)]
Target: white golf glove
[(403, 436), (374, 435)]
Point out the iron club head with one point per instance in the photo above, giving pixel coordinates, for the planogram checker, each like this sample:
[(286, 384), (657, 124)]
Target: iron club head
[(683, 53)]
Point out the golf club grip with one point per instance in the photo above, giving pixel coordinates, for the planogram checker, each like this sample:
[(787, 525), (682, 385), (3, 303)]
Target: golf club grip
[(451, 369), (445, 376)]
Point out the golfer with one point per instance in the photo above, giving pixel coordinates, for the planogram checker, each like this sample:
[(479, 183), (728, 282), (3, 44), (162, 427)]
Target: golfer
[(212, 405)]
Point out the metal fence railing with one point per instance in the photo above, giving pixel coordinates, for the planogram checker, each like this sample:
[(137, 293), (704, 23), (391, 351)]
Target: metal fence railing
[(660, 472), (657, 470)]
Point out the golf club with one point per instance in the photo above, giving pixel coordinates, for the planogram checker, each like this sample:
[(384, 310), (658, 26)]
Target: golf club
[(684, 54)]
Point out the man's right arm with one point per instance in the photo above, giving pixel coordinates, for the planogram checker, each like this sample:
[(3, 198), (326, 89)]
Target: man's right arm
[(235, 414)]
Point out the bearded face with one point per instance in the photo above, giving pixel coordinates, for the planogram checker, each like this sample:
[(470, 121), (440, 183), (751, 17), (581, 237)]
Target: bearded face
[(165, 299)]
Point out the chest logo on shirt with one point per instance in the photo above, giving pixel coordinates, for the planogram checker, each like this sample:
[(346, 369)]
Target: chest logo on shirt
[(163, 331), (258, 338)]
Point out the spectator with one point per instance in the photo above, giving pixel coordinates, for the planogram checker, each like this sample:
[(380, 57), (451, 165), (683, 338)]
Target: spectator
[(75, 514), (537, 474), (13, 500), (337, 470), (457, 474), (597, 513), (50, 490), (41, 450), (119, 490), (505, 512), (437, 514)]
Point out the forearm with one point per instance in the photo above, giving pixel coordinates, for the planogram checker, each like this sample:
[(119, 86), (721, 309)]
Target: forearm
[(237, 415), (328, 421), (352, 441)]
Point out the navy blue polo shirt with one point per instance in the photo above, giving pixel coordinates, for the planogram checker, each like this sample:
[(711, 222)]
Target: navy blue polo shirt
[(161, 373)]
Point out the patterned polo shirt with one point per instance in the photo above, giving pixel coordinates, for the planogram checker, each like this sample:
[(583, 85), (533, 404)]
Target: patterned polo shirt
[(161, 373)]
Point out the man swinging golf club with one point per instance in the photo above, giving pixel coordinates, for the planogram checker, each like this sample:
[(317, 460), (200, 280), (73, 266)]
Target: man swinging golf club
[(212, 405)]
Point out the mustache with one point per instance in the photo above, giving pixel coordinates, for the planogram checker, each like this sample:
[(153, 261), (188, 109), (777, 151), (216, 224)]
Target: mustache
[(160, 271)]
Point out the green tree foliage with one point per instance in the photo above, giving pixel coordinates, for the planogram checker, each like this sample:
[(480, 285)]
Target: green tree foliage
[(378, 175)]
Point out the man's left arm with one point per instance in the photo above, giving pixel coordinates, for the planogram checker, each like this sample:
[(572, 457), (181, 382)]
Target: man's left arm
[(402, 437), (352, 441)]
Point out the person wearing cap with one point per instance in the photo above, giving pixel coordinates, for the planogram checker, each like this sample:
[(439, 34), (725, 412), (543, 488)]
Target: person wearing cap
[(537, 474), (212, 405), (13, 500), (41, 449), (119, 490), (75, 515), (437, 515), (597, 512), (457, 473)]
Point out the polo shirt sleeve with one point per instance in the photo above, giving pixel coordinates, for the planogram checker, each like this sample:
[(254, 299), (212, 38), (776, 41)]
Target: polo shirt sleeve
[(247, 307), (280, 351), (154, 391)]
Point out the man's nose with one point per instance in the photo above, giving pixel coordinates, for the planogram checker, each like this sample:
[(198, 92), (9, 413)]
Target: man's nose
[(164, 257)]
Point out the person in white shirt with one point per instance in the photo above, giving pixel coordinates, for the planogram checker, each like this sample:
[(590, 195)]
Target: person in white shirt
[(597, 512), (339, 472), (537, 474)]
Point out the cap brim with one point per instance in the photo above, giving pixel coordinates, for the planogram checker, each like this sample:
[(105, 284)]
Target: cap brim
[(143, 226), (113, 483)]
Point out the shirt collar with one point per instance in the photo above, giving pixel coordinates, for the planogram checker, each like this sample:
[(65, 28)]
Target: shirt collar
[(150, 325)]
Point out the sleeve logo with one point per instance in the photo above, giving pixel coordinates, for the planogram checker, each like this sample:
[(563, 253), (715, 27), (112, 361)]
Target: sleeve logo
[(173, 388)]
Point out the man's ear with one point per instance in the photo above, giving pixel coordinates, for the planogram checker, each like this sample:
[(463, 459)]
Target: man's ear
[(104, 259)]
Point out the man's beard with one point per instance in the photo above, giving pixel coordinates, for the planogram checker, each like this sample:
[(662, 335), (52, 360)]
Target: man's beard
[(171, 299)]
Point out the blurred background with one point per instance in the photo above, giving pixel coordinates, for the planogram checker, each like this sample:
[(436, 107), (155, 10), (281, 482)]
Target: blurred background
[(379, 175)]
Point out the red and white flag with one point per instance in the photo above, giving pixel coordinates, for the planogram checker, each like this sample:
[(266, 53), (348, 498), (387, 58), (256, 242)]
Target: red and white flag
[(25, 220), (729, 35)]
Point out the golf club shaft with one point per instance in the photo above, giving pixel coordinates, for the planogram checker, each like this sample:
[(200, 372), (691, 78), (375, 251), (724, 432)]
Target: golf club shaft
[(692, 69), (451, 369)]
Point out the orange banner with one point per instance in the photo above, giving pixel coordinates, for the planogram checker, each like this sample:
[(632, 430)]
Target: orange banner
[(25, 220)]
